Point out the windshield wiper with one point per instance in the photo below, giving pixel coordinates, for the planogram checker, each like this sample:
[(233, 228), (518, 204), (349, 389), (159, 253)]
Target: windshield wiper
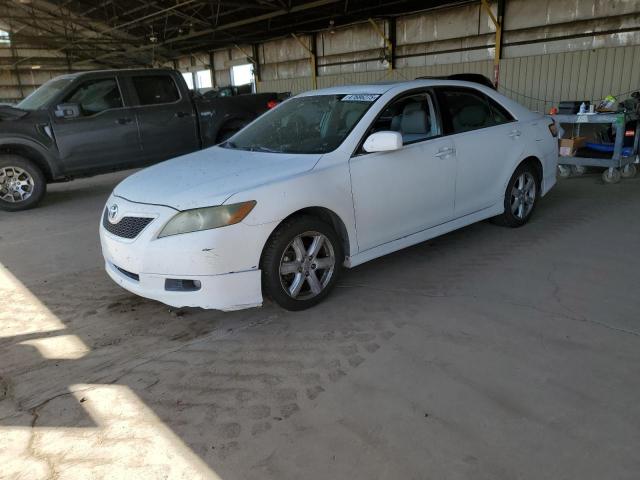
[(258, 148)]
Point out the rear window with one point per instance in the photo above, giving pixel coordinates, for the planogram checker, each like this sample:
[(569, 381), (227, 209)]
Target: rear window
[(468, 109), (155, 89)]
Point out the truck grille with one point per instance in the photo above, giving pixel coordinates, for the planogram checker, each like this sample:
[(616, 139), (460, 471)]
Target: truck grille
[(127, 227)]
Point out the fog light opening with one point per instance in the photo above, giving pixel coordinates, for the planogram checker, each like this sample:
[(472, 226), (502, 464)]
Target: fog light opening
[(182, 285)]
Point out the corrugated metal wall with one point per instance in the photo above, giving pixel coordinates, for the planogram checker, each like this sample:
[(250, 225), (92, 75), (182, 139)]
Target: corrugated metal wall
[(540, 81), (537, 81), (297, 85), (553, 50)]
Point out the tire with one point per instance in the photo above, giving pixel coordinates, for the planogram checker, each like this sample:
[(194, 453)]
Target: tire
[(295, 289), (564, 171), (629, 171), (611, 175), (32, 187), (520, 200), (579, 170)]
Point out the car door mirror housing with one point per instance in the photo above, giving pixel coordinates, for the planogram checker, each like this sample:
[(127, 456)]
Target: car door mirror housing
[(68, 110), (385, 141)]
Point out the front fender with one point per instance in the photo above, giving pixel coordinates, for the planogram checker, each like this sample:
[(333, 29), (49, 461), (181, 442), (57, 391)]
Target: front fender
[(43, 154), (327, 188)]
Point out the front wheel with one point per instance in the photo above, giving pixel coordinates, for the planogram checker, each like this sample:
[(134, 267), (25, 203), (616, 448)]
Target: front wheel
[(22, 183), (521, 197), (301, 263)]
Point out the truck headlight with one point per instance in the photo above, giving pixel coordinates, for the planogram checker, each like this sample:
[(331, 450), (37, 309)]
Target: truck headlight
[(207, 218)]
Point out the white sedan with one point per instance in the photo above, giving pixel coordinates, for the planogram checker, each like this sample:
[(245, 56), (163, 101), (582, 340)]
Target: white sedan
[(329, 179)]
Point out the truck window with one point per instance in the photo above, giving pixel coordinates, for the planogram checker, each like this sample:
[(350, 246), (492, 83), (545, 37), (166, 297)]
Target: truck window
[(95, 96), (155, 89)]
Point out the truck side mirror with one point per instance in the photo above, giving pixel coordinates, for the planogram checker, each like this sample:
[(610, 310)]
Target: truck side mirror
[(67, 110)]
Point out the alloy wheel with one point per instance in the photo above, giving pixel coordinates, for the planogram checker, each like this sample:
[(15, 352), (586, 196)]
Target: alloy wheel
[(523, 195), (16, 184), (307, 265)]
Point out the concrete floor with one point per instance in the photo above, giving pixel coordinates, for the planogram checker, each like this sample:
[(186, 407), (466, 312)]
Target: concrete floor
[(486, 354)]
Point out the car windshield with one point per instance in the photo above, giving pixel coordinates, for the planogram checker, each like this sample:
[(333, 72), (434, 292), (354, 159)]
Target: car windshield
[(311, 124), (41, 97)]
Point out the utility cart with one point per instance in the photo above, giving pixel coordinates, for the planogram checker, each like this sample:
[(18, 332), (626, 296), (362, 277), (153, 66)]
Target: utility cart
[(622, 161)]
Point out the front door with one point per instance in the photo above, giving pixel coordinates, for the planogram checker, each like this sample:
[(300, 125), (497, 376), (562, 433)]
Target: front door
[(402, 192), (104, 136)]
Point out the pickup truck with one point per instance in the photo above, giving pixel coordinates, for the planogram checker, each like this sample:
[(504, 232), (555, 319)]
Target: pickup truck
[(88, 123)]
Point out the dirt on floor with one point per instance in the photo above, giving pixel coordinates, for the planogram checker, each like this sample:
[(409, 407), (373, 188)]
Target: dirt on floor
[(488, 353)]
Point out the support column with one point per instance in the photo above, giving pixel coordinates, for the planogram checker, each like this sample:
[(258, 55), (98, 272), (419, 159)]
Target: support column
[(497, 22), (212, 67), (312, 58), (389, 46), (14, 54)]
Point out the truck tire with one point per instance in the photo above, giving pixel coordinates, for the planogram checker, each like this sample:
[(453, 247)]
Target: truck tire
[(22, 183)]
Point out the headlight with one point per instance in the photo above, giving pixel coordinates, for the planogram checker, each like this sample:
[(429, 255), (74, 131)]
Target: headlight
[(207, 218)]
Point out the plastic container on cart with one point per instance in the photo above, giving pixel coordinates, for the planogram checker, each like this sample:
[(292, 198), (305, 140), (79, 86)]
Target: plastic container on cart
[(608, 148)]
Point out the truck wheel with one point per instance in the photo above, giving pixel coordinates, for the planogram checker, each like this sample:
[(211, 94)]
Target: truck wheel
[(22, 183)]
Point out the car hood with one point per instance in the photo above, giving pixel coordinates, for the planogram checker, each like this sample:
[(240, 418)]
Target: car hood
[(8, 112), (209, 177)]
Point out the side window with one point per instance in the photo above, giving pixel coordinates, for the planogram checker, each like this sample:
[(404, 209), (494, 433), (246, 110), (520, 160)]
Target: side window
[(467, 110), (95, 96), (413, 116), (500, 114), (155, 89)]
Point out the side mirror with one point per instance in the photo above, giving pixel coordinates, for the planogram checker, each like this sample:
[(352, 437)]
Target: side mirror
[(383, 142), (67, 110)]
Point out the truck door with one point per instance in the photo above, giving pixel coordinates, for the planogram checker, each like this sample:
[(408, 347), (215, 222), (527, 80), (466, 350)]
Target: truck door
[(166, 118), (104, 134)]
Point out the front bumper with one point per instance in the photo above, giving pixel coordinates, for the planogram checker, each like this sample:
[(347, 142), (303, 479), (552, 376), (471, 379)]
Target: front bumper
[(223, 262), (227, 292)]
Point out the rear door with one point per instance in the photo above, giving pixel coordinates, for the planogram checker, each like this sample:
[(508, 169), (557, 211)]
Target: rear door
[(487, 141), (165, 116), (105, 135)]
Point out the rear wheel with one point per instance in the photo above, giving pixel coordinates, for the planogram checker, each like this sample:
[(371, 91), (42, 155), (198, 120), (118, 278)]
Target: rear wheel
[(301, 263), (521, 197), (22, 183)]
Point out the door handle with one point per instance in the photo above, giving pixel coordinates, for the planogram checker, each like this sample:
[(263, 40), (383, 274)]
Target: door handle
[(445, 152), (182, 114), (515, 133), (124, 121)]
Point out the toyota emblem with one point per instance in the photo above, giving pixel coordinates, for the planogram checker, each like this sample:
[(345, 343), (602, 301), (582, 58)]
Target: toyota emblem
[(113, 212)]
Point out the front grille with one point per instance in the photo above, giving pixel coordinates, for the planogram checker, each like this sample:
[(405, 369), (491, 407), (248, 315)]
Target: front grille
[(127, 227)]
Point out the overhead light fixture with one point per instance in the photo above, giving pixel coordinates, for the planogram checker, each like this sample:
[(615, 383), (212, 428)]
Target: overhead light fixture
[(35, 67)]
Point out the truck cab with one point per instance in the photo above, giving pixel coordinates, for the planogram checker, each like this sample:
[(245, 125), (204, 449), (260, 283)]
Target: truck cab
[(88, 123)]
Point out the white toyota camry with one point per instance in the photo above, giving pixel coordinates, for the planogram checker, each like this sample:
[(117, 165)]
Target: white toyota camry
[(328, 179)]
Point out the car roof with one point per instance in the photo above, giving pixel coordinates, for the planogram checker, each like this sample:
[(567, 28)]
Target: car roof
[(394, 88), (384, 87)]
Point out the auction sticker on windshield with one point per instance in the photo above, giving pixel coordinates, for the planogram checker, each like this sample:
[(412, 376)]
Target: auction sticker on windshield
[(360, 97)]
